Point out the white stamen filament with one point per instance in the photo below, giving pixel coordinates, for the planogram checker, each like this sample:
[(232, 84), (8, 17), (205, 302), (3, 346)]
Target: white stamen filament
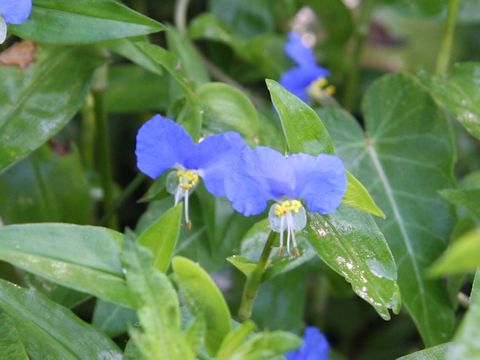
[(187, 219)]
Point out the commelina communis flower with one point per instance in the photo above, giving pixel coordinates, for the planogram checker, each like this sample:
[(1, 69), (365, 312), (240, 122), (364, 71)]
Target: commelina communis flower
[(163, 145), (315, 346), (264, 174), (307, 77)]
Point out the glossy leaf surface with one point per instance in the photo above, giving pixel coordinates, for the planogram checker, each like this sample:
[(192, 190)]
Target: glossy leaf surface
[(405, 182), (37, 102), (52, 251), (83, 22)]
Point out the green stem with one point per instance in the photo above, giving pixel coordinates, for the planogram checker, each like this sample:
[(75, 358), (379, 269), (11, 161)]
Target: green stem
[(103, 140), (126, 193), (88, 133), (252, 285), (446, 48), (360, 36), (181, 7)]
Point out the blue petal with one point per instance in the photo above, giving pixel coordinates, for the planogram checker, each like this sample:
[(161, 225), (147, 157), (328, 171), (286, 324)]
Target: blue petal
[(298, 52), (162, 143), (15, 11), (315, 346), (258, 176), (245, 188), (215, 157), (298, 79), (319, 180)]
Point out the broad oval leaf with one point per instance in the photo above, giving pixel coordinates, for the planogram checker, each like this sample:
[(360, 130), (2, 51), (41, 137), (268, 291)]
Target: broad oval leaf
[(400, 119), (37, 102), (350, 243), (200, 290), (49, 330), (84, 258), (161, 237), (83, 22)]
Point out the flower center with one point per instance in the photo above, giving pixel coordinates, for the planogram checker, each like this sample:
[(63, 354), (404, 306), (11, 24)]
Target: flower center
[(289, 216), (319, 88), (181, 183)]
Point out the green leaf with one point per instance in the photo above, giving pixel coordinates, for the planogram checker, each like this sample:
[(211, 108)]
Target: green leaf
[(462, 256), (399, 117), (459, 92), (48, 330), (466, 343), (438, 352), (305, 132), (52, 251), (190, 60), (196, 333), (83, 22), (204, 296), (227, 108), (352, 245), (357, 196), (112, 319), (157, 307), (161, 237), (30, 195), (303, 129), (234, 339), (129, 48), (11, 346), (27, 120)]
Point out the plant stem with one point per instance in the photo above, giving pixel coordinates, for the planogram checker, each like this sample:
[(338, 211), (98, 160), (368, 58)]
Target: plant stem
[(252, 285), (446, 48), (181, 7), (88, 133), (360, 36), (103, 140), (126, 193)]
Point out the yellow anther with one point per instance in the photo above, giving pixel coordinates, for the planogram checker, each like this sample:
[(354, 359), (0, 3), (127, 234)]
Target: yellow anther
[(320, 88), (187, 179), (330, 90), (287, 206)]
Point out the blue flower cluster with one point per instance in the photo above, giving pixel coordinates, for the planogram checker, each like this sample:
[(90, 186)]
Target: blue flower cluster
[(307, 78), (249, 178), (13, 12)]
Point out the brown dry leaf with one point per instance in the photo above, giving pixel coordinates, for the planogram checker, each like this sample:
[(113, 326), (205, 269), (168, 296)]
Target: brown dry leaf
[(20, 54)]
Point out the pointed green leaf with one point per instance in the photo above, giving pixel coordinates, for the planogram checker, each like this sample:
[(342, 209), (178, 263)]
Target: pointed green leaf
[(83, 22), (157, 307), (161, 237), (27, 120), (49, 331), (112, 319), (438, 352), (204, 297), (401, 118), (84, 258), (352, 245)]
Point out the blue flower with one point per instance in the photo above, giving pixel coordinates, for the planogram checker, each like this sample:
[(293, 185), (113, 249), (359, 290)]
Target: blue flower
[(300, 78), (315, 346), (263, 174), (13, 12), (162, 145)]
